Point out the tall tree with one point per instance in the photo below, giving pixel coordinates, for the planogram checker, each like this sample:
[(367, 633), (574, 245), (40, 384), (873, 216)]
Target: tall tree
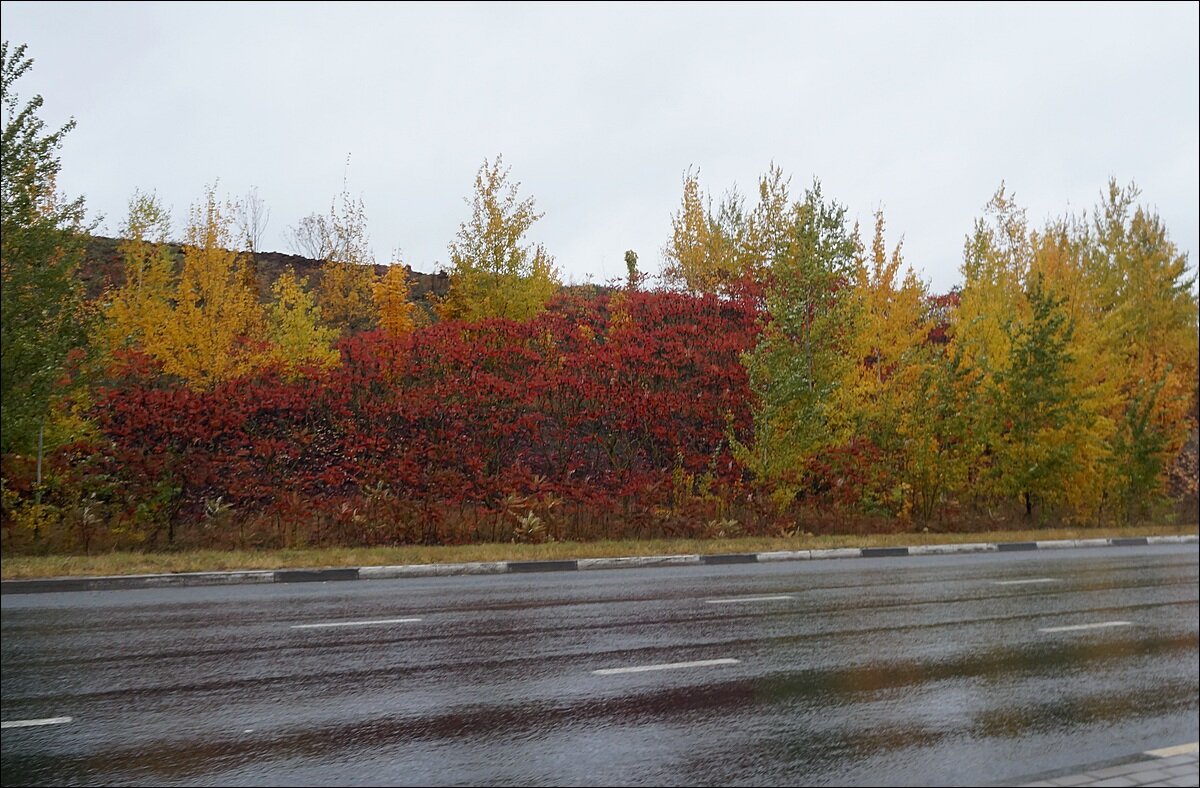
[(41, 300), (701, 253), (712, 249), (800, 365), (1150, 318), (397, 313), (1061, 262), (494, 272), (138, 312), (1037, 415), (890, 358), (996, 261), (214, 332)]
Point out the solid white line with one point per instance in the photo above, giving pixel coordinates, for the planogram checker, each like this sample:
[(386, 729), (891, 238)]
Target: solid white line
[(1026, 582), (356, 623), (1182, 749), (747, 599), (32, 723), (1078, 627), (703, 663)]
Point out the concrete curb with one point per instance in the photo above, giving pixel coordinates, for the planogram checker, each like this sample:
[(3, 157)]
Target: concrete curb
[(60, 584)]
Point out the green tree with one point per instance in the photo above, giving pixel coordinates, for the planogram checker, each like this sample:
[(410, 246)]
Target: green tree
[(1035, 406), (942, 439), (41, 235), (801, 363), (494, 272), (632, 276)]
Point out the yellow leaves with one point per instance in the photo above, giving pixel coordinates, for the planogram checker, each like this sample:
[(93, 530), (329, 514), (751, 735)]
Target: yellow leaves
[(208, 336), (347, 300), (396, 311), (141, 307), (297, 338), (1130, 361), (206, 325), (493, 274), (695, 252)]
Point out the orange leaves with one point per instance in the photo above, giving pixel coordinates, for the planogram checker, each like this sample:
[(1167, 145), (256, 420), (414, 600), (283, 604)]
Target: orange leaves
[(396, 312)]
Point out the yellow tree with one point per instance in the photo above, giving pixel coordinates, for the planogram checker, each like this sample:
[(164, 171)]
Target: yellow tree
[(210, 335), (1149, 318), (493, 272), (339, 240), (892, 357), (397, 314), (140, 309), (711, 250), (699, 255), (996, 262), (297, 336), (347, 300), (1061, 261)]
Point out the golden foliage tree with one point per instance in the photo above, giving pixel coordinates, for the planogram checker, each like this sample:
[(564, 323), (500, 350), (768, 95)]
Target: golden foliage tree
[(212, 331), (698, 254), (494, 273), (893, 356), (711, 249), (1149, 319), (397, 313), (996, 261), (1061, 262), (140, 309), (297, 337)]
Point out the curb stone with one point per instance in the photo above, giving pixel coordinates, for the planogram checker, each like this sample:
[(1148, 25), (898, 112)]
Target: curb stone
[(180, 579)]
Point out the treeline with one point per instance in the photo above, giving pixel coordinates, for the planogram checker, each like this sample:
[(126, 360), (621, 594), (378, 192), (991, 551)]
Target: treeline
[(1061, 377), (787, 372)]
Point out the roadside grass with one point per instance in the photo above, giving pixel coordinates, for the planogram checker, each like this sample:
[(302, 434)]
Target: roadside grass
[(17, 567)]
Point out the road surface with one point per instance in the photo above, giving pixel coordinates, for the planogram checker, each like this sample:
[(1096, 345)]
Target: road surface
[(886, 671)]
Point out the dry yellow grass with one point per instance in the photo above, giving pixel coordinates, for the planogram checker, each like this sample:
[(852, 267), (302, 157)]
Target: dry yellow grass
[(212, 560)]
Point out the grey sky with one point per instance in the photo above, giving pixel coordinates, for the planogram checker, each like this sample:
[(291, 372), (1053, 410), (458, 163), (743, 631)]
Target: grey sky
[(600, 109)]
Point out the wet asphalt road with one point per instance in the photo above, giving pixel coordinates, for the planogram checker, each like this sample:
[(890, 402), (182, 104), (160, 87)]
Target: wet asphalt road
[(895, 671)]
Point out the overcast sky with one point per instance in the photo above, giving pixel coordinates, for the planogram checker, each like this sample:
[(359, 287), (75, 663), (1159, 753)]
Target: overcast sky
[(600, 109)]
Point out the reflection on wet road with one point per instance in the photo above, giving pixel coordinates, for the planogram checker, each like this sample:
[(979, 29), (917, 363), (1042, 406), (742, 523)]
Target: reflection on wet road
[(894, 671)]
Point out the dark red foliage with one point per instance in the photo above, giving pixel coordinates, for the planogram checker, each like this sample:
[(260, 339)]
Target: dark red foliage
[(595, 401)]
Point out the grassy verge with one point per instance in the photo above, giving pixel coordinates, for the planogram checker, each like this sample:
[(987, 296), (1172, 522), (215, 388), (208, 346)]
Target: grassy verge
[(213, 560)]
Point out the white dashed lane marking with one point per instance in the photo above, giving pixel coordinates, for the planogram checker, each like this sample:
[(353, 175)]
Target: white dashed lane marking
[(703, 663), (1080, 627), (748, 599), (34, 723), (376, 623)]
